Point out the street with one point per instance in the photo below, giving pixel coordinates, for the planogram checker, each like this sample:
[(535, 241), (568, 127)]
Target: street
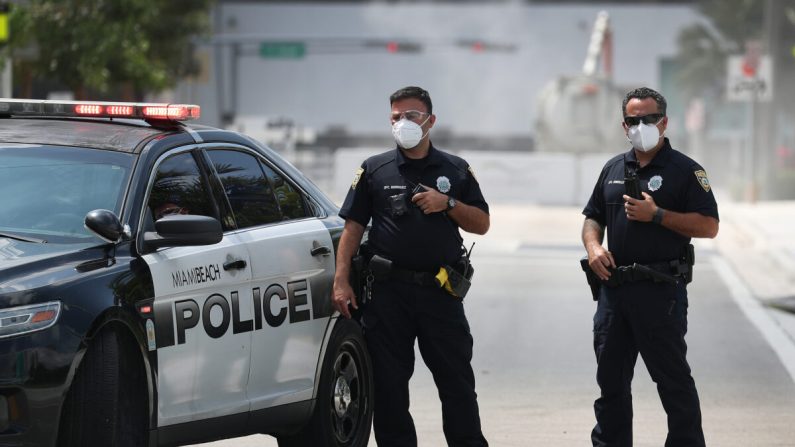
[(530, 313)]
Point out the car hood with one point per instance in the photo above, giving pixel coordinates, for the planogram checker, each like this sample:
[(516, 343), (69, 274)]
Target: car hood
[(25, 265)]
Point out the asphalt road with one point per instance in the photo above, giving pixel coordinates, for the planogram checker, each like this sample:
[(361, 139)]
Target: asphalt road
[(531, 316)]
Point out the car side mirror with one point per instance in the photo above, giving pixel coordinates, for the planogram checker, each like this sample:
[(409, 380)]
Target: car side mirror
[(104, 224), (179, 230)]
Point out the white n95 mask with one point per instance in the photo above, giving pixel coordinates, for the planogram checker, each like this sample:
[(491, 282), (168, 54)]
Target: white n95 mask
[(407, 133), (644, 137)]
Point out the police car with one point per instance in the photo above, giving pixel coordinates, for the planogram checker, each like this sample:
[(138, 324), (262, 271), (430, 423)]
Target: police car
[(163, 284)]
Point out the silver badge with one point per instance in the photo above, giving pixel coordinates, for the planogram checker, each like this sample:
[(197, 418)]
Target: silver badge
[(655, 183), (443, 184)]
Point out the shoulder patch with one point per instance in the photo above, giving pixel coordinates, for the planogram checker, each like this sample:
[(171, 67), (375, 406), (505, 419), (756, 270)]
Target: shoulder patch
[(472, 172), (357, 177), (701, 175)]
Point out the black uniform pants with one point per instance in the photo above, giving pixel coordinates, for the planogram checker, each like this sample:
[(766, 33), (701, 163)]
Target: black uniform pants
[(650, 319), (398, 314)]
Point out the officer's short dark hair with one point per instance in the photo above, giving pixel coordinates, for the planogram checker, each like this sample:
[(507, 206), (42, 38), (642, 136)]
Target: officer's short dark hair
[(412, 92), (643, 93)]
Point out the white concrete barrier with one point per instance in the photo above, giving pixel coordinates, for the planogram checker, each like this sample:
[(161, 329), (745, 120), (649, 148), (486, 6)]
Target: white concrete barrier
[(505, 177), (531, 178), (589, 167)]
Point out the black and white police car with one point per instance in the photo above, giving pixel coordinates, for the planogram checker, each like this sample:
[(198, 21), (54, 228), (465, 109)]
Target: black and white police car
[(163, 284)]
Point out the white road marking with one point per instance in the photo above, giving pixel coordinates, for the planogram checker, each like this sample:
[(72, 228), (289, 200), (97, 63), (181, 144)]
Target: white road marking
[(774, 334)]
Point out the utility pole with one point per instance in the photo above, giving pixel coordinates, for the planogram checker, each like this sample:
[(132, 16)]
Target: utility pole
[(765, 172)]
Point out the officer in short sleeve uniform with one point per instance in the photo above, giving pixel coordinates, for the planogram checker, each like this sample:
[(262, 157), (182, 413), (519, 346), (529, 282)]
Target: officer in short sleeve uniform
[(417, 228), (637, 313)]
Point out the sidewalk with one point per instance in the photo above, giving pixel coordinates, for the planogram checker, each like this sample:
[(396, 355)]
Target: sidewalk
[(759, 242)]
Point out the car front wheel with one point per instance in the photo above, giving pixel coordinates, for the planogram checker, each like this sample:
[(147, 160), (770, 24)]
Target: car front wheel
[(104, 406)]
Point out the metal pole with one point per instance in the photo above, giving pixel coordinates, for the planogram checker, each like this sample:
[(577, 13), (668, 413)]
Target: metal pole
[(7, 73), (766, 165), (218, 62), (753, 149), (235, 82)]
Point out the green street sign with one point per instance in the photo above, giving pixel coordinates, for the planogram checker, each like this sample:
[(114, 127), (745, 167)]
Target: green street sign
[(282, 50)]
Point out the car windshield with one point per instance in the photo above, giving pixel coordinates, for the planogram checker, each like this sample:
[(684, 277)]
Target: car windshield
[(46, 191)]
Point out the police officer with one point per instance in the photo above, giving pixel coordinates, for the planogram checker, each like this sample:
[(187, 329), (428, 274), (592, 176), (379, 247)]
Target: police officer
[(418, 197), (638, 311)]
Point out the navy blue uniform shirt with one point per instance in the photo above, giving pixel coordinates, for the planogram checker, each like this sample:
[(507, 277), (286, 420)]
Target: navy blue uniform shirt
[(676, 183), (414, 241)]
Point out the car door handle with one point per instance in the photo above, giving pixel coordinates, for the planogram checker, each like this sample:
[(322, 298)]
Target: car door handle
[(320, 250), (235, 265)]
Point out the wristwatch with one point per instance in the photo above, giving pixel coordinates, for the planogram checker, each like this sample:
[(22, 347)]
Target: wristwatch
[(450, 203), (658, 216)]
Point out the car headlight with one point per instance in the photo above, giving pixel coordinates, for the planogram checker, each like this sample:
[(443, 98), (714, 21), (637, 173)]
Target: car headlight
[(26, 319)]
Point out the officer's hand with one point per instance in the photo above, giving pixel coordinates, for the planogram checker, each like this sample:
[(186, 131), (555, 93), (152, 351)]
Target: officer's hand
[(343, 294), (430, 200), (640, 210), (600, 261)]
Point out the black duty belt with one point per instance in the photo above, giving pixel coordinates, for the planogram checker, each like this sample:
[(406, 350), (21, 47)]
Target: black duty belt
[(413, 277), (382, 268), (671, 272)]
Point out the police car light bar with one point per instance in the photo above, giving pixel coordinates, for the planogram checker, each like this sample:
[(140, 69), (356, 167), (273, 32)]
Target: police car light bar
[(145, 111)]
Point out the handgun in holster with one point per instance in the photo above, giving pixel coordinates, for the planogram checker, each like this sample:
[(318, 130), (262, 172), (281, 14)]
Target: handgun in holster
[(379, 267), (593, 281), (359, 279), (689, 260)]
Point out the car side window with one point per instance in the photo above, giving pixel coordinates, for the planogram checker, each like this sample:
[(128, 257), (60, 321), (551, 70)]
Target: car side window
[(249, 193), (178, 189), (291, 202)]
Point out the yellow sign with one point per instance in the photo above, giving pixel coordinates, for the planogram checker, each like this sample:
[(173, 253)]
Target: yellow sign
[(3, 27)]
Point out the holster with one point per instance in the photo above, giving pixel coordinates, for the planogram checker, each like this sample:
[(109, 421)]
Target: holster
[(380, 267), (358, 275), (456, 283), (358, 278), (593, 281)]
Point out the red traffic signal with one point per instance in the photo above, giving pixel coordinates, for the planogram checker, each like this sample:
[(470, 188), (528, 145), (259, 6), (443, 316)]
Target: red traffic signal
[(394, 46), (482, 46)]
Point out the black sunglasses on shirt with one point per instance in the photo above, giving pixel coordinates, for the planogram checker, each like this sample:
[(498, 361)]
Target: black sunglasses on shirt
[(652, 118)]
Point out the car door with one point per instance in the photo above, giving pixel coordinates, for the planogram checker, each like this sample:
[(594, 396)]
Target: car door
[(202, 303), (292, 267)]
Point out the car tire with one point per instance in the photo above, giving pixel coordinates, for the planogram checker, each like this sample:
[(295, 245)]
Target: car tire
[(104, 404), (343, 412)]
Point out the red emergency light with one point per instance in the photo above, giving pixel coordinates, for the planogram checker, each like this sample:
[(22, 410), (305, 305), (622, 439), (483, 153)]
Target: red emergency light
[(145, 111)]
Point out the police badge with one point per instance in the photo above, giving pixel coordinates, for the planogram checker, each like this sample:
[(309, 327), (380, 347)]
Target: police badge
[(443, 184), (655, 183), (357, 177), (702, 179)]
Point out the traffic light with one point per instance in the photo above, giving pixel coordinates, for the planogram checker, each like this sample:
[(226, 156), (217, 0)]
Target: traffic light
[(484, 46), (394, 46)]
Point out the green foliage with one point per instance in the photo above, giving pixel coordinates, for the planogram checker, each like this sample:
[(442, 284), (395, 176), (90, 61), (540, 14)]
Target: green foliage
[(104, 44)]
